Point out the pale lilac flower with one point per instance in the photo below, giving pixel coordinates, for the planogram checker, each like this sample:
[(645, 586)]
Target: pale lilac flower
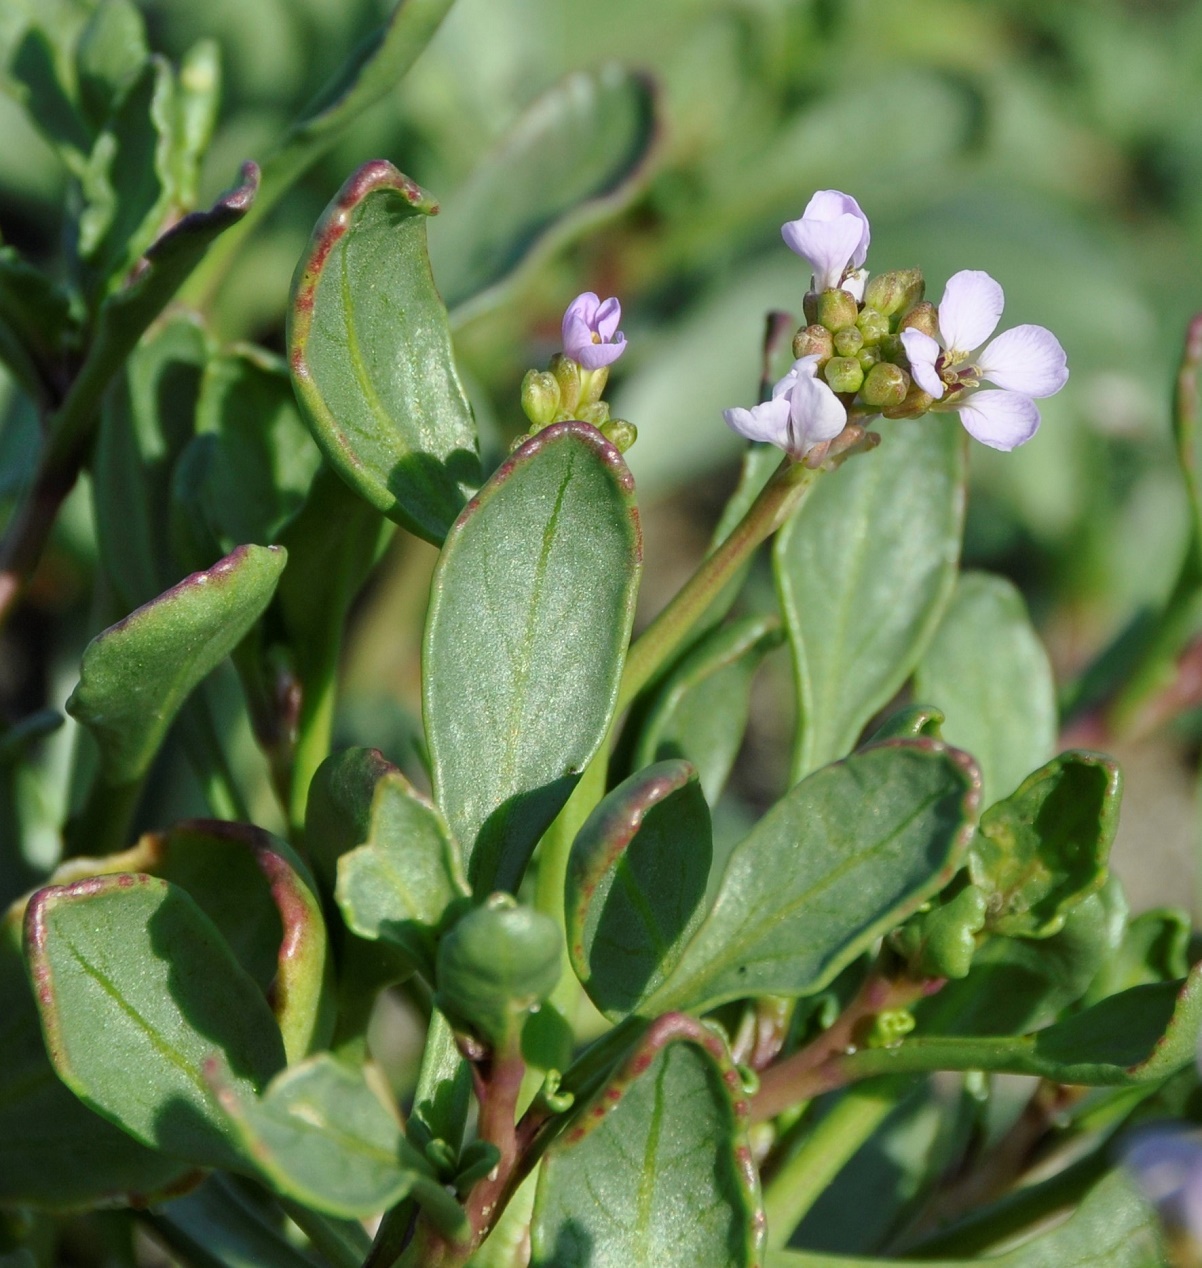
[(1024, 363), (803, 411), (590, 331), (1166, 1163), (832, 237)]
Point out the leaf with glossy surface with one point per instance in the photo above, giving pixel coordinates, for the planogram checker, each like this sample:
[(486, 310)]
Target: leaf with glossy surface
[(371, 356), (909, 724), (864, 571), (1155, 948), (636, 883), (136, 674), (656, 1168), (133, 958), (1044, 848), (398, 884), (326, 1134), (576, 156), (700, 712), (988, 672), (530, 613), (840, 860)]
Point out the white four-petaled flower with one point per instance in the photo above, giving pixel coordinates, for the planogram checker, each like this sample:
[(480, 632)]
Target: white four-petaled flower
[(590, 331), (1024, 363), (832, 237), (803, 411)]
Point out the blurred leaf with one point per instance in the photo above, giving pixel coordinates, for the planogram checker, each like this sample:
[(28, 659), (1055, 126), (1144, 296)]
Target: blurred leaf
[(842, 858), (576, 156), (530, 612), (372, 360), (55, 1153), (1044, 848), (109, 56), (135, 675), (1155, 948), (398, 883), (33, 69), (635, 886), (197, 99), (989, 674), (35, 325), (133, 958), (656, 1169), (864, 571), (910, 723), (326, 1134), (700, 712)]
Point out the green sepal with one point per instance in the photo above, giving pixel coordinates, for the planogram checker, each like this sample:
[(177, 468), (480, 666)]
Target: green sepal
[(1044, 848), (371, 356)]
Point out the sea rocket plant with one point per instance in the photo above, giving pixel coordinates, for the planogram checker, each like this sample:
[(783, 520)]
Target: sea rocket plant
[(803, 411), (832, 236)]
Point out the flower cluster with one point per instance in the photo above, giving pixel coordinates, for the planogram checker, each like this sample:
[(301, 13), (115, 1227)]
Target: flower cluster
[(876, 347)]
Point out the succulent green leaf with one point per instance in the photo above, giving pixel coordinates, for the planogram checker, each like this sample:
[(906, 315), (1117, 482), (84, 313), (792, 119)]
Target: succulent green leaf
[(1113, 1228), (988, 672), (148, 416), (864, 572), (109, 56), (133, 958), (1045, 847), (910, 723), (530, 613), (326, 1134), (35, 325), (197, 99), (136, 674), (55, 1153), (1155, 948), (941, 942), (400, 882), (700, 712), (371, 356), (840, 860), (576, 156), (33, 72), (655, 1169), (636, 882), (339, 814)]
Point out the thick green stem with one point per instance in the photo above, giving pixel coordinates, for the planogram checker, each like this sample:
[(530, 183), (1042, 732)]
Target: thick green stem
[(800, 1180), (342, 1242)]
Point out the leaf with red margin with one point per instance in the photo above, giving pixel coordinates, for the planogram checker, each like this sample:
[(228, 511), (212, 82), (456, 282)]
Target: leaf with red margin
[(656, 1168), (371, 356)]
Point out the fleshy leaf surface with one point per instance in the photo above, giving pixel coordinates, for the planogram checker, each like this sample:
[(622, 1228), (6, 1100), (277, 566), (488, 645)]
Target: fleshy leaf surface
[(842, 858), (655, 1169), (371, 356), (133, 958), (636, 882), (530, 613), (864, 571)]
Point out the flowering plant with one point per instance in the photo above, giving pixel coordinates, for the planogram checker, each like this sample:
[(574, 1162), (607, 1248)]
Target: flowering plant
[(649, 1033)]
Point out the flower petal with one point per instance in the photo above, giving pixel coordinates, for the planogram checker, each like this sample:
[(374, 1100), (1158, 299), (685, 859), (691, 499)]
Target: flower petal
[(969, 310), (580, 312), (606, 318), (1027, 359), (1001, 420), (922, 352), (828, 246), (816, 414), (828, 204), (592, 356), (767, 422)]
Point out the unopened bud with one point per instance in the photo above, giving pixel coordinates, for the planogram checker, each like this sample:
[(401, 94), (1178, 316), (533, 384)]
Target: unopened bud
[(567, 375), (924, 317), (592, 384), (620, 433), (891, 348), (814, 341), (868, 357), (809, 306), (848, 342), (873, 326), (596, 413), (837, 310), (885, 385), (540, 397), (844, 374), (917, 402), (892, 293)]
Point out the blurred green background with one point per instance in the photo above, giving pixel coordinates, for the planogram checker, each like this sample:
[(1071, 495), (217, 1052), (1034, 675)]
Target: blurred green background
[(1057, 145)]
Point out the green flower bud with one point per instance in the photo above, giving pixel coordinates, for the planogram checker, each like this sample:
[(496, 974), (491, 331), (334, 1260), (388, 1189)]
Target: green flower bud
[(620, 433), (494, 966), (540, 397), (837, 310), (596, 413), (889, 1027), (809, 306), (848, 342), (924, 317), (868, 357), (885, 385), (812, 341), (917, 403), (567, 375), (892, 293), (592, 384), (891, 348), (873, 326), (844, 374)]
